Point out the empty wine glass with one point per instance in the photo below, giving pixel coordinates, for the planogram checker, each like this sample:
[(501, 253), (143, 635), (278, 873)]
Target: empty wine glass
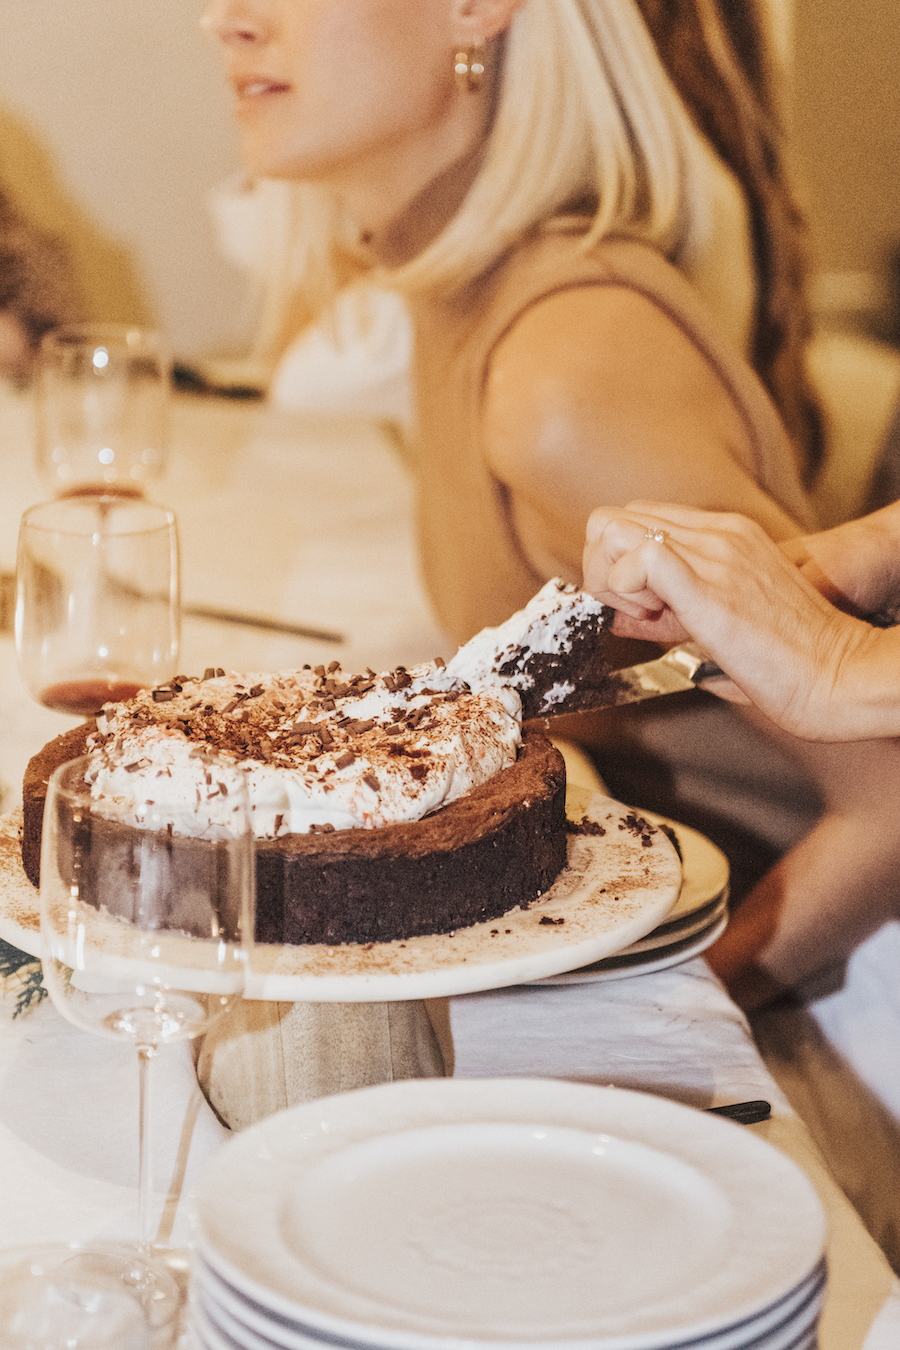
[(101, 409), (147, 912), (97, 600)]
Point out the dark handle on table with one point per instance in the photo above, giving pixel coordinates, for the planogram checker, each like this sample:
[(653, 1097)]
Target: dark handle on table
[(745, 1113)]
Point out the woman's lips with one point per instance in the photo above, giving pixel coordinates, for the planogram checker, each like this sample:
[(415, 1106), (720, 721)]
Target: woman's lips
[(257, 86)]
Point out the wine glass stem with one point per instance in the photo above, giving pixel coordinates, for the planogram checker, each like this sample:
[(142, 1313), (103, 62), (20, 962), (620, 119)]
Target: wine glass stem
[(145, 1055)]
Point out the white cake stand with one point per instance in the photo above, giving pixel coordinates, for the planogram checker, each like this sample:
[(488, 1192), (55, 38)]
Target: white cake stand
[(617, 886)]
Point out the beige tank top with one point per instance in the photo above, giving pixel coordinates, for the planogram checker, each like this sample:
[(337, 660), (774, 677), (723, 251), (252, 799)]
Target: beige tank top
[(473, 566)]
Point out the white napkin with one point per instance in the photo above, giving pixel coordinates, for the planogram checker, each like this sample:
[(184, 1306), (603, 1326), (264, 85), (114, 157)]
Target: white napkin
[(355, 361)]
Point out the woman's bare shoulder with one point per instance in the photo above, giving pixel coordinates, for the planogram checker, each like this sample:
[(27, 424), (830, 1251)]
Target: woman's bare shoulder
[(596, 393)]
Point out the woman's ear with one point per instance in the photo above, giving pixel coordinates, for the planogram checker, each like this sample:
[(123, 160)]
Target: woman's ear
[(481, 20)]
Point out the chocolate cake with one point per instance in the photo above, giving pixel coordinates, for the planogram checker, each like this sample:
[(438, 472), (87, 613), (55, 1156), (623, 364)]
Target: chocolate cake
[(499, 846), (385, 806)]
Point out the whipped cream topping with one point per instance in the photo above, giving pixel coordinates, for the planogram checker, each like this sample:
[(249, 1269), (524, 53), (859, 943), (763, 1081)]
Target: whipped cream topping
[(515, 654), (319, 750), (322, 750)]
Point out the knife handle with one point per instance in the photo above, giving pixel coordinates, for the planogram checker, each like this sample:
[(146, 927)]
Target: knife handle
[(693, 662), (745, 1113)]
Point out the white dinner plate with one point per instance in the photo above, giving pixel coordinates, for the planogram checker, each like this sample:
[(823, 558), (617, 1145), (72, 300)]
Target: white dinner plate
[(232, 1319), (663, 937), (691, 923), (616, 887), (630, 963), (513, 1212)]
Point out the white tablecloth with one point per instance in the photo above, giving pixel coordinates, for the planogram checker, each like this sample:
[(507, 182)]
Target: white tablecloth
[(310, 521)]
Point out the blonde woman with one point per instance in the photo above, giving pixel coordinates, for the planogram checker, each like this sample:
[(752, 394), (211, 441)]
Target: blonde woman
[(526, 174)]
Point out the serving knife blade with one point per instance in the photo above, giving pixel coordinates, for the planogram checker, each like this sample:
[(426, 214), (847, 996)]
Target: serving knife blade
[(683, 667)]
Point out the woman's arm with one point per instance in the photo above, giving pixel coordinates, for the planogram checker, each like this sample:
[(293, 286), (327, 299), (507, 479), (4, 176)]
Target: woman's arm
[(596, 395), (817, 672), (856, 565)]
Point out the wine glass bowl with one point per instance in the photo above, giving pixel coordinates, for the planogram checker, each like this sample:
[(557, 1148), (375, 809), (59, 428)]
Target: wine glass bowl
[(145, 929), (101, 409), (97, 600)]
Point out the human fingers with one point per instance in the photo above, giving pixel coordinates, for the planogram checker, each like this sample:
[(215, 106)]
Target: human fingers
[(616, 570), (614, 542)]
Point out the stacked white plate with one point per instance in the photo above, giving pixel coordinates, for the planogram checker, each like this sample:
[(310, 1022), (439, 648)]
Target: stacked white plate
[(698, 917), (509, 1214)]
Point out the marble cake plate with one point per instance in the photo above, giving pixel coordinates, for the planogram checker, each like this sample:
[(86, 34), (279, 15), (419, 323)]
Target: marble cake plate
[(617, 887), (698, 918)]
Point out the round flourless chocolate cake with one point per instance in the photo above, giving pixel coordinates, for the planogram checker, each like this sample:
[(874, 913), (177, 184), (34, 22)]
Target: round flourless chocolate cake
[(386, 806), (499, 846)]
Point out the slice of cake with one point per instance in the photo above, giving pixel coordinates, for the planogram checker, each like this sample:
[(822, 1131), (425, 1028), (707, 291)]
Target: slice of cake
[(550, 652), (385, 806)]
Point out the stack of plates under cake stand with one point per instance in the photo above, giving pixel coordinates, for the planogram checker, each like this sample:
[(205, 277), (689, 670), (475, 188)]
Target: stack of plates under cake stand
[(698, 917), (504, 1214)]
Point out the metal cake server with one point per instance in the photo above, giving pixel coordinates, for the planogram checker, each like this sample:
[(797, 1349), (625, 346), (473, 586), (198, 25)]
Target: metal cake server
[(683, 667)]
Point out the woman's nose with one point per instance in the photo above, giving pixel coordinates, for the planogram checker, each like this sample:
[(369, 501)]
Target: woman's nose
[(233, 22)]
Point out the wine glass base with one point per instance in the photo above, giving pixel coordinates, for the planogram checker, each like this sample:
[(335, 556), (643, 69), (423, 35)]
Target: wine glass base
[(90, 1296)]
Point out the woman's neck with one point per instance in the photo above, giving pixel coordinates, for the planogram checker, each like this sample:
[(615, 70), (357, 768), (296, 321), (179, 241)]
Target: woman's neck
[(408, 232)]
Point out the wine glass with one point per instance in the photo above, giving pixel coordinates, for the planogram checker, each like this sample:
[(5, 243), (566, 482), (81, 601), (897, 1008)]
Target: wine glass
[(147, 912), (97, 600), (101, 409)]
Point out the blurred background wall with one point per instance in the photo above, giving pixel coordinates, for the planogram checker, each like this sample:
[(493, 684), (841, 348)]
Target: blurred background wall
[(846, 127), (114, 126)]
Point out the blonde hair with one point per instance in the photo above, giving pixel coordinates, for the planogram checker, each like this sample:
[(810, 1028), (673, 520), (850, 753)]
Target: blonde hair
[(585, 121)]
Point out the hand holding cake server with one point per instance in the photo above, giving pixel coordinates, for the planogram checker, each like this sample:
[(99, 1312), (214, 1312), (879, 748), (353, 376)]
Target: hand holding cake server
[(776, 620), (798, 627)]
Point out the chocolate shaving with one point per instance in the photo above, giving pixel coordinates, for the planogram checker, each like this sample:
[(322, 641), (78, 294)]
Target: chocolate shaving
[(371, 781), (585, 826), (639, 827), (163, 695)]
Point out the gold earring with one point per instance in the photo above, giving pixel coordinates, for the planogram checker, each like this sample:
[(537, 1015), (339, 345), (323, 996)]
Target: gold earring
[(468, 67)]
